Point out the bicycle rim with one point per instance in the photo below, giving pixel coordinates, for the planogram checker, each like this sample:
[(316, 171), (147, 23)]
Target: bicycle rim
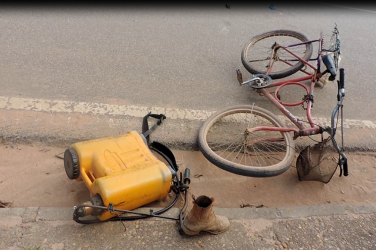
[(256, 54), (225, 142)]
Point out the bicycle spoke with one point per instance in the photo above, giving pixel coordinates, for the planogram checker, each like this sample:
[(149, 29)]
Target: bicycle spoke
[(233, 145), (266, 154), (260, 60), (272, 156), (221, 145), (230, 153), (257, 156), (229, 143), (237, 155)]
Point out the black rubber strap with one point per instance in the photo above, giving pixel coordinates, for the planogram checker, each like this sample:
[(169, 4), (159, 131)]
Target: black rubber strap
[(165, 152), (146, 131)]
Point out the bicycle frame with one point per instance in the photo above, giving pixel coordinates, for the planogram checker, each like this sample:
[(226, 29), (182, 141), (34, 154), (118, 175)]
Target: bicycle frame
[(301, 129)]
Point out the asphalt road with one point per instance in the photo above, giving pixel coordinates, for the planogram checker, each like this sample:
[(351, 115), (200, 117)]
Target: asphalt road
[(181, 57)]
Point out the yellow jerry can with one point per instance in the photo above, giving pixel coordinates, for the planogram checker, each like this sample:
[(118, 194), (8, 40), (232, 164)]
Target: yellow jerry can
[(120, 170)]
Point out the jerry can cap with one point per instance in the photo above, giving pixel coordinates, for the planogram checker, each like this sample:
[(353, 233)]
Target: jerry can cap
[(71, 164)]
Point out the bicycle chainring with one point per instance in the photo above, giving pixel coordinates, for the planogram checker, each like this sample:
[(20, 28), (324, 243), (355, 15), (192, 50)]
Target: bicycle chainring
[(259, 81)]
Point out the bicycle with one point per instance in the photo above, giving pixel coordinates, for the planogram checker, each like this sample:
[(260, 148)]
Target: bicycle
[(252, 141)]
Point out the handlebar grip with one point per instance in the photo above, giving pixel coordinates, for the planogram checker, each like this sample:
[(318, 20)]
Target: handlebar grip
[(187, 176), (345, 168), (341, 78)]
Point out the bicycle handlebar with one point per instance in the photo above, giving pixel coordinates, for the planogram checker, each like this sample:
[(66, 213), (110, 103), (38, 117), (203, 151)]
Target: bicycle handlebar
[(342, 93), (340, 96)]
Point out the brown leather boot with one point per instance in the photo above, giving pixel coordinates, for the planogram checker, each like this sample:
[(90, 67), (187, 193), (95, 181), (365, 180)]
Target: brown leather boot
[(202, 218)]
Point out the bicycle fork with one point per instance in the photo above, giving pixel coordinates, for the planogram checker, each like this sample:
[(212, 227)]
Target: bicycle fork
[(342, 161)]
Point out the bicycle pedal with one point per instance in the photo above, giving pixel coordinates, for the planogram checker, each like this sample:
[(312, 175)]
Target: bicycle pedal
[(320, 84), (323, 81), (239, 76)]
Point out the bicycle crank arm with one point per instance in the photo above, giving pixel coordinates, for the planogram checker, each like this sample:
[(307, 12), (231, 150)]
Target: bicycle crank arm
[(249, 81)]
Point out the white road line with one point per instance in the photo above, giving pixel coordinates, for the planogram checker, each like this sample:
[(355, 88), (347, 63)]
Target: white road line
[(58, 106)]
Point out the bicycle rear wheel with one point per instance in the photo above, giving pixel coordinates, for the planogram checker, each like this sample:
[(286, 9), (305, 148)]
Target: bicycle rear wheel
[(256, 54), (225, 142)]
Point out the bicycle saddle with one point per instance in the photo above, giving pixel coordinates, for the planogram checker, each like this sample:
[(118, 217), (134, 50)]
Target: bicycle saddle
[(328, 61)]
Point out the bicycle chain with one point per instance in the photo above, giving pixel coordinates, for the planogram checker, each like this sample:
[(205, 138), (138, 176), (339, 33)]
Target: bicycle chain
[(307, 98)]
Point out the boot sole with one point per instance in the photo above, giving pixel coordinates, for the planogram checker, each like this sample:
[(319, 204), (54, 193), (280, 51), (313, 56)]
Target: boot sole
[(190, 232)]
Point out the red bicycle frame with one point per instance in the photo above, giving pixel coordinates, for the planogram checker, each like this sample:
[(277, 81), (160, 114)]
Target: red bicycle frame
[(301, 129)]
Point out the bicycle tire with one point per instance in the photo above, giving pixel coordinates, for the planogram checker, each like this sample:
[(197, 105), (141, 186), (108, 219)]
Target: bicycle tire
[(270, 169), (289, 70)]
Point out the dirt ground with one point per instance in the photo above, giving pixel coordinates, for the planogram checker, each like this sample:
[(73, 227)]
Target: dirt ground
[(34, 176)]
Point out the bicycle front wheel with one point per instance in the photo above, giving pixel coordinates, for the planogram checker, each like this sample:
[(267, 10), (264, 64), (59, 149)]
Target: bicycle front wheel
[(225, 140), (257, 53)]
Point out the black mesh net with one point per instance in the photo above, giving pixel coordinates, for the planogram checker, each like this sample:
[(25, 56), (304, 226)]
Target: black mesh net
[(318, 162)]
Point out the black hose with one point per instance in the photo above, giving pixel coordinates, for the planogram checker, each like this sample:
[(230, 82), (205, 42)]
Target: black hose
[(142, 216), (183, 209)]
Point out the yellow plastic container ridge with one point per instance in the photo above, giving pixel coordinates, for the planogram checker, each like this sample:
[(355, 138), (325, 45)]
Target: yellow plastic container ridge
[(122, 170)]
